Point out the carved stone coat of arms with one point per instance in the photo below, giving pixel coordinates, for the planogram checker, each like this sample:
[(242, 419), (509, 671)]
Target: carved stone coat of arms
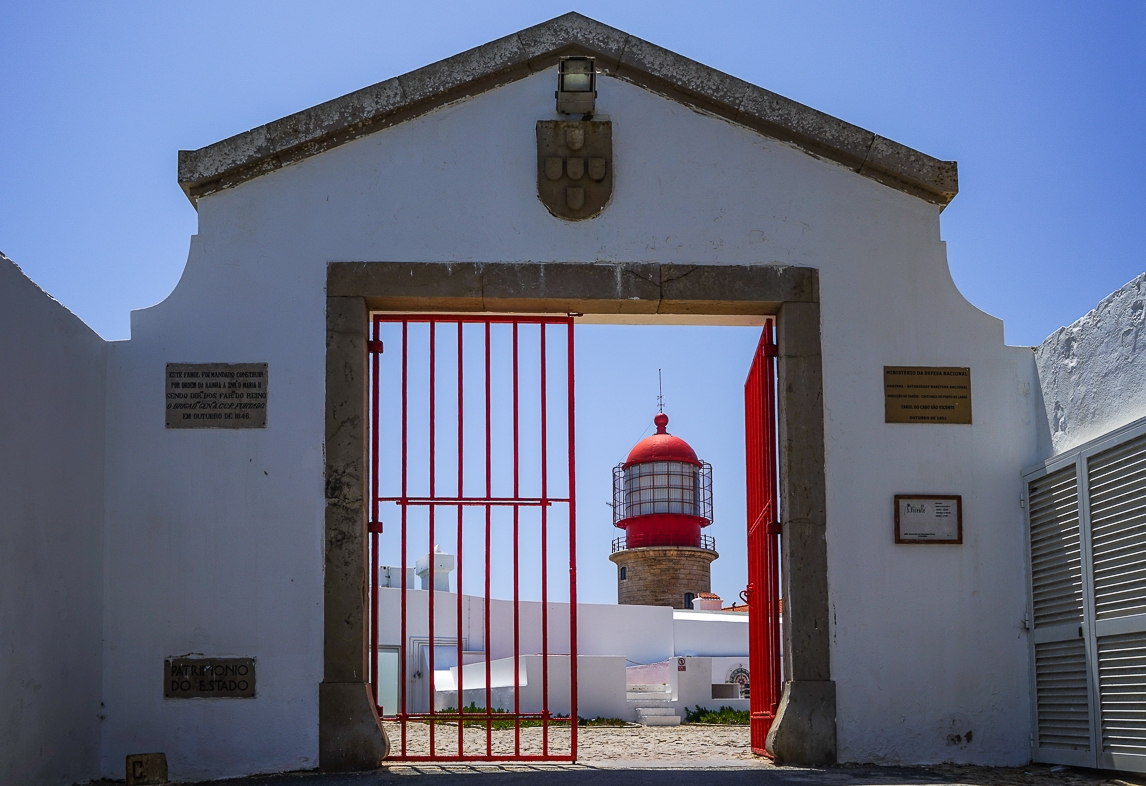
[(574, 167)]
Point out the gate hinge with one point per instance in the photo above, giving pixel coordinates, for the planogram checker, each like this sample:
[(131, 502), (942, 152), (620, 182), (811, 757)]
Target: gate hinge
[(374, 526), (374, 347)]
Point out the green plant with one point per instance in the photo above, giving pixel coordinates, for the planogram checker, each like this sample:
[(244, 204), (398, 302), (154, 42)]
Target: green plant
[(725, 716)]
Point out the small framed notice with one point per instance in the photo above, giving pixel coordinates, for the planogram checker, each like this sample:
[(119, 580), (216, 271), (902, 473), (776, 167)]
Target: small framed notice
[(928, 518)]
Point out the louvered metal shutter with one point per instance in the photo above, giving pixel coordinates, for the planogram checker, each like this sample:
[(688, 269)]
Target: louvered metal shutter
[(1122, 691), (1061, 695), (1063, 730), (1056, 556), (1116, 485)]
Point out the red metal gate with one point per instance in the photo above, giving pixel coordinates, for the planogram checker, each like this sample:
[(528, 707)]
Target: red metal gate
[(472, 445), (763, 593)]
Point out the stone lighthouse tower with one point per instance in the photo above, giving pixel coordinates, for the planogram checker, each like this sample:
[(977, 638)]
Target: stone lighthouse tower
[(662, 499)]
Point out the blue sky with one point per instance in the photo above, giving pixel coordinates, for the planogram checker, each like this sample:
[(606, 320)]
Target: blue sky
[(1042, 104)]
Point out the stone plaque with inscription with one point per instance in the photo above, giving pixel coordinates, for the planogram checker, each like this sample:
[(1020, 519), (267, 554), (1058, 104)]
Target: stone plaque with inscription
[(146, 769), (207, 678), (216, 395), (926, 394), (928, 518)]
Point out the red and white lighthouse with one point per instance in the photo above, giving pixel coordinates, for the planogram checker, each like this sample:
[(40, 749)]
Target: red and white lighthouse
[(662, 499)]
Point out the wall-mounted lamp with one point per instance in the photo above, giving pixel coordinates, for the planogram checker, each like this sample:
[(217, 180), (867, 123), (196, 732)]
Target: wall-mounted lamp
[(576, 85)]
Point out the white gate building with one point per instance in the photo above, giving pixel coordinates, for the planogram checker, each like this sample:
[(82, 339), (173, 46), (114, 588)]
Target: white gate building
[(131, 545)]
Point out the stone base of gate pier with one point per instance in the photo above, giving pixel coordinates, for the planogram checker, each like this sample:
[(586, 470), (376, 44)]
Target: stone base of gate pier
[(350, 734), (804, 731)]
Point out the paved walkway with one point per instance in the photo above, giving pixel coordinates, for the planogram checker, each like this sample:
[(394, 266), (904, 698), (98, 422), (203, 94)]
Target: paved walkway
[(696, 774), (691, 755)]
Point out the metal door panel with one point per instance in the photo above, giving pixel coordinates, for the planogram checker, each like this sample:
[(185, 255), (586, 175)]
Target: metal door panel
[(763, 592), (478, 417)]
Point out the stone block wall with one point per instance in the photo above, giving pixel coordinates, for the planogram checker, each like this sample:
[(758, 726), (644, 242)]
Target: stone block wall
[(661, 575)]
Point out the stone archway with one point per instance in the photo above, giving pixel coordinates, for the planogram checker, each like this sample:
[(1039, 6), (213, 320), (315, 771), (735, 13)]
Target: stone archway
[(350, 735)]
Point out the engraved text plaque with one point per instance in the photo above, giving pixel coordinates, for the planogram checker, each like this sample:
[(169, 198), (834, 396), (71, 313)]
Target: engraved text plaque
[(926, 394), (216, 395)]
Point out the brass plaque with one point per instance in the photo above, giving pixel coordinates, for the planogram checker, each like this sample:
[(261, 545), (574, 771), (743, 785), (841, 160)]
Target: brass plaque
[(216, 395), (209, 678), (574, 167), (926, 394)]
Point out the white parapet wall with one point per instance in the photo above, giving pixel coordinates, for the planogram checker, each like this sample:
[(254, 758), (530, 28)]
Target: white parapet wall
[(618, 646), (1093, 372), (52, 391)]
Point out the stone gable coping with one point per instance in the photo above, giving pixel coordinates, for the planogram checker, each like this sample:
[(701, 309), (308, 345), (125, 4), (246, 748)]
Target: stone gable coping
[(293, 138)]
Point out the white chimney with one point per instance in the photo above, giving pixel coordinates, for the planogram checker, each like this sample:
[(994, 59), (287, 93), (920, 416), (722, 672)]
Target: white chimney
[(706, 601), (443, 566)]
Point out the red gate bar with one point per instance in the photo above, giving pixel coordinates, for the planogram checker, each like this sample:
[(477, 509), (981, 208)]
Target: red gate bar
[(763, 592), (459, 501)]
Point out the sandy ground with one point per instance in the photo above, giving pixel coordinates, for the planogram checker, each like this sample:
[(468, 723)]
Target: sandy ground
[(594, 743)]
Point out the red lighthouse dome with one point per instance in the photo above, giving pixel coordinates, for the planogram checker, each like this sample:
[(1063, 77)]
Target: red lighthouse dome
[(662, 493), (661, 446)]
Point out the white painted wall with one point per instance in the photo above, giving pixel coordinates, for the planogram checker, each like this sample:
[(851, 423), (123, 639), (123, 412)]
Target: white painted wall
[(609, 637), (1092, 374), (700, 633), (215, 537), (642, 634), (51, 537)]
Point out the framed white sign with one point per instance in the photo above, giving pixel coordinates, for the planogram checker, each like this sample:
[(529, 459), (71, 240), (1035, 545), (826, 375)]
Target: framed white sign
[(928, 518)]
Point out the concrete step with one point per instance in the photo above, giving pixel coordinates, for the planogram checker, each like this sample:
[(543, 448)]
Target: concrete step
[(657, 716)]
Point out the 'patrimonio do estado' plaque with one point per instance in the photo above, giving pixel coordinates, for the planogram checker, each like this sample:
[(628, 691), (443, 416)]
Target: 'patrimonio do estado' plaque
[(208, 678)]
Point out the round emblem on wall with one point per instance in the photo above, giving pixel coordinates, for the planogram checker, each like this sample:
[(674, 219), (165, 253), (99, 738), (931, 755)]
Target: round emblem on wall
[(739, 676)]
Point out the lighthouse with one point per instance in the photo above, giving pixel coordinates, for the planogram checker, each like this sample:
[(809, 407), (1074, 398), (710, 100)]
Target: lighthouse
[(662, 499)]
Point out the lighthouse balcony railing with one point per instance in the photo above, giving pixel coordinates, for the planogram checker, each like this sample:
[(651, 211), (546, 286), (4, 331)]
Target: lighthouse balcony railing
[(707, 542)]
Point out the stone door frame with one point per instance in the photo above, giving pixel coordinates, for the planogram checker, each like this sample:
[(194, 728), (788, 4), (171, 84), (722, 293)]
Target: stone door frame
[(350, 734)]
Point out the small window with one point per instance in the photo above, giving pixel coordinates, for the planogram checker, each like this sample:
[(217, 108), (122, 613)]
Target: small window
[(688, 596), (624, 573)]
